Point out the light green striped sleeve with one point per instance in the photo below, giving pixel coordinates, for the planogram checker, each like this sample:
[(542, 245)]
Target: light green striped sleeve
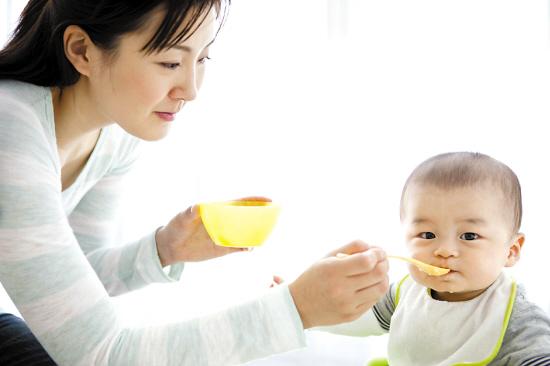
[(60, 296), (121, 268)]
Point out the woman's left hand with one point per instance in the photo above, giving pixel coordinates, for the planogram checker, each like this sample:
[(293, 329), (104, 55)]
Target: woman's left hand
[(185, 239)]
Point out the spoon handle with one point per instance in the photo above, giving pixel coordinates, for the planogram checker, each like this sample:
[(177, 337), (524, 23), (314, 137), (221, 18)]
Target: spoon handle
[(424, 267)]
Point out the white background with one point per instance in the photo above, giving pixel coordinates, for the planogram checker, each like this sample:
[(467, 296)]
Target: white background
[(326, 107)]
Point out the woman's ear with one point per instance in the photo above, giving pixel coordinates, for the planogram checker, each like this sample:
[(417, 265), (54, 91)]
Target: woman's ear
[(514, 250), (78, 48)]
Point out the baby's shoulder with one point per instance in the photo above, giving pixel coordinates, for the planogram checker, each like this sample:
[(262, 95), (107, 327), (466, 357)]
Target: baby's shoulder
[(527, 334), (523, 308)]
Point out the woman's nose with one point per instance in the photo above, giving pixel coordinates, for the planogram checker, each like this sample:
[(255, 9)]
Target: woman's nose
[(186, 87)]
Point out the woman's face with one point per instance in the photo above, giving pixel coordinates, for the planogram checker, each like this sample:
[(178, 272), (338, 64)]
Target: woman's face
[(143, 93)]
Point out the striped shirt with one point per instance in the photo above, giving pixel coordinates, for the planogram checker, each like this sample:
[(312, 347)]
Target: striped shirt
[(59, 265)]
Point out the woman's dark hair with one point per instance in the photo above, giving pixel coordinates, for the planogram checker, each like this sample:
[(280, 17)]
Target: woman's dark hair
[(35, 51)]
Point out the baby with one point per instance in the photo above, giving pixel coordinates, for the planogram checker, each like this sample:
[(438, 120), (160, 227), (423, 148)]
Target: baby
[(460, 211)]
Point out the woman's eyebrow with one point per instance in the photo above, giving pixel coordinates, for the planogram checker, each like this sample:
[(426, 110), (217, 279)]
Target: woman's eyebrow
[(189, 49), (183, 48)]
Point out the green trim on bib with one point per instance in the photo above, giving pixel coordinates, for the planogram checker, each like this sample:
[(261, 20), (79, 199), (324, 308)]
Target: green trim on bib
[(384, 361), (378, 362), (398, 290), (509, 308)]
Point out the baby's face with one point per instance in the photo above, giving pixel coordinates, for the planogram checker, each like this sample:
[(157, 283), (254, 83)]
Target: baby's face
[(464, 229)]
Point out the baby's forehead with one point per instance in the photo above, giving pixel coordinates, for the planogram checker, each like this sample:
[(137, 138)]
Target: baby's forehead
[(486, 186), (487, 191), (474, 203), (463, 170)]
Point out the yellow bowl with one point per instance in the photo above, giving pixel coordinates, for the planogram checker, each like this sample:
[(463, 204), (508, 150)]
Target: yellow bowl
[(239, 224)]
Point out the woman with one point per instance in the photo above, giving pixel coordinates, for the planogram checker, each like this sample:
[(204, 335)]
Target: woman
[(82, 83)]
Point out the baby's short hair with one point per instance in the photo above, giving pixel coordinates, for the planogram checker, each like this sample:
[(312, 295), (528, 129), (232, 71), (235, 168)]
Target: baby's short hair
[(465, 169)]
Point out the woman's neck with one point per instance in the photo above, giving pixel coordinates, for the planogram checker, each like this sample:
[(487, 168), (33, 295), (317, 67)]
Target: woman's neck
[(77, 121), (77, 128)]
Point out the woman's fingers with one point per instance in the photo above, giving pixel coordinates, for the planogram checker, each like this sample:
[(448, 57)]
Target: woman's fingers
[(359, 263), (254, 199), (335, 290), (365, 280), (355, 246), (371, 294)]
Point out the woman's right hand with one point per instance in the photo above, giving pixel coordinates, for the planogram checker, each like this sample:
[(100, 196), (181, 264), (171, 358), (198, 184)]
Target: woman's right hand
[(340, 289)]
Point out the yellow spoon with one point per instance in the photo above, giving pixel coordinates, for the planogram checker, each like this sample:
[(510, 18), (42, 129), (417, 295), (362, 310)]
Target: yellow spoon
[(424, 267)]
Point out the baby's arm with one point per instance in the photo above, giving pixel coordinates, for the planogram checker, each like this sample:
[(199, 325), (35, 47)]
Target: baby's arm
[(376, 321)]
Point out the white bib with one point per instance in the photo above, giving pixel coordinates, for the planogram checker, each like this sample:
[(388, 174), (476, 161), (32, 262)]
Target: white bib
[(429, 332)]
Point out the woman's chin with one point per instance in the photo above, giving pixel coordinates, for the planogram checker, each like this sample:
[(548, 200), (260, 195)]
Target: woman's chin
[(151, 134)]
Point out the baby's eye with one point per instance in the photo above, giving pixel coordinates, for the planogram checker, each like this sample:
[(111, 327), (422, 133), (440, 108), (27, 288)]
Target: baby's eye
[(427, 235), (469, 236)]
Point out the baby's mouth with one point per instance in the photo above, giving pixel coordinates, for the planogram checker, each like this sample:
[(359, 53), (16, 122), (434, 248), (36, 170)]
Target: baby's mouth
[(452, 271)]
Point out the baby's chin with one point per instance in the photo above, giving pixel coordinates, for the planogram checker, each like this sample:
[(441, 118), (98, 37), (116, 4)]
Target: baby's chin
[(446, 290)]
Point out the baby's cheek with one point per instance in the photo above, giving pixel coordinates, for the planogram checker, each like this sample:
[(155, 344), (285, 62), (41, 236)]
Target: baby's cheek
[(419, 276), (482, 277)]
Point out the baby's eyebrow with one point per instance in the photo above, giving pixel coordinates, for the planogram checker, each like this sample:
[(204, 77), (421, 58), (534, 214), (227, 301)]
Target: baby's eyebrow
[(474, 220), (420, 220), (470, 220)]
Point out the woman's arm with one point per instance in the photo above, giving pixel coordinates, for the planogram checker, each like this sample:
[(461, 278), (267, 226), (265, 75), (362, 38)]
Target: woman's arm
[(53, 285), (120, 267)]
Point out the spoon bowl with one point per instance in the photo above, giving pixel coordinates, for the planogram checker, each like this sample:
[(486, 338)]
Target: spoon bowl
[(424, 267)]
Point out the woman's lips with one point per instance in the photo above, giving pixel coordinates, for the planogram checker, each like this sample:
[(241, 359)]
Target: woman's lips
[(167, 116)]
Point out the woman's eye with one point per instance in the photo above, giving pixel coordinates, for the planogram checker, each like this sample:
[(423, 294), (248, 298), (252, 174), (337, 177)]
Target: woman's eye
[(427, 235), (170, 65), (204, 59), (469, 236)]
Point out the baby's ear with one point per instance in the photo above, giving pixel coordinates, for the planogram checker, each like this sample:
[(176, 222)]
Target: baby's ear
[(514, 250)]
